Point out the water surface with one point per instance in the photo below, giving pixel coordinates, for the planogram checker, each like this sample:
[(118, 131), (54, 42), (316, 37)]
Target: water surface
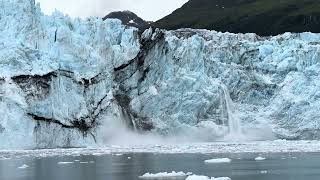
[(277, 166)]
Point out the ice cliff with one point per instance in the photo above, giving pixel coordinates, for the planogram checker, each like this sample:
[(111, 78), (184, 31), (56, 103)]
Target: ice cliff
[(64, 82)]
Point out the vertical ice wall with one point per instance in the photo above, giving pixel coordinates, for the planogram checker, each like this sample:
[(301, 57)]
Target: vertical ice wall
[(56, 76), (63, 80)]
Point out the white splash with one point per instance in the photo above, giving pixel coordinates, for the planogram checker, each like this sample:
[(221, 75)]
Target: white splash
[(234, 122)]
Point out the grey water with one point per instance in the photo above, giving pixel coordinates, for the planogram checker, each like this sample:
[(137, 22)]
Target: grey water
[(279, 166)]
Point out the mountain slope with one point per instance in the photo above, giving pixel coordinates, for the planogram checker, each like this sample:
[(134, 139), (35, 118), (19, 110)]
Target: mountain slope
[(264, 17), (128, 18)]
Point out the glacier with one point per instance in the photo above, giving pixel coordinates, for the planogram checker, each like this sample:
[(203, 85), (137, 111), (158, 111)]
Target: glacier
[(71, 82)]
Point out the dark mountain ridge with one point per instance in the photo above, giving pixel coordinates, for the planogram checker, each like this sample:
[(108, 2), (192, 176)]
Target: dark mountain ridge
[(264, 17), (128, 18)]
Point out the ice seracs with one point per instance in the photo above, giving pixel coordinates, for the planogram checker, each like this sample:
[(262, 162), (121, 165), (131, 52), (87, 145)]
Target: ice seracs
[(71, 79)]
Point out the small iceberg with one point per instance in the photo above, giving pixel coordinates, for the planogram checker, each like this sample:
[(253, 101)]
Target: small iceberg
[(260, 158), (63, 163), (165, 175), (23, 166), (196, 177), (217, 161)]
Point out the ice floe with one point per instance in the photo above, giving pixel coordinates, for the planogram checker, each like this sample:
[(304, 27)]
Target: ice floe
[(162, 175), (196, 177), (23, 166), (260, 158), (216, 161), (63, 163)]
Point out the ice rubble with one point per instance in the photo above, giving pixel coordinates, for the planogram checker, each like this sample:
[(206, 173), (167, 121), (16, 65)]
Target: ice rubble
[(264, 147), (63, 81)]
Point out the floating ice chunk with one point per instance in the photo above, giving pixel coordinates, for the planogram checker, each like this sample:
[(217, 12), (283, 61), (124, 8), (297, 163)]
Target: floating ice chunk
[(196, 177), (97, 154), (84, 162), (215, 161), (62, 163), (129, 157), (260, 158), (222, 178), (263, 172), (23, 166), (173, 174)]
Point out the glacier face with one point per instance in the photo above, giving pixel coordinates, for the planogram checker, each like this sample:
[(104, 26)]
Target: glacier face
[(64, 81)]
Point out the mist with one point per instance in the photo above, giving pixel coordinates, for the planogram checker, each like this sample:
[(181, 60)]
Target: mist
[(116, 132)]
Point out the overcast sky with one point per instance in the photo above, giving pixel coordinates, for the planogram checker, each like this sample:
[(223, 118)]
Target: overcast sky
[(150, 10)]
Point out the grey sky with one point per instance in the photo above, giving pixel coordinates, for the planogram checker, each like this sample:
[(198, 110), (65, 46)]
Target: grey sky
[(147, 9)]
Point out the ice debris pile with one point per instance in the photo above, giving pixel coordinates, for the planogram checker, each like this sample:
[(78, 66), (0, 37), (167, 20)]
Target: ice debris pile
[(64, 82)]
